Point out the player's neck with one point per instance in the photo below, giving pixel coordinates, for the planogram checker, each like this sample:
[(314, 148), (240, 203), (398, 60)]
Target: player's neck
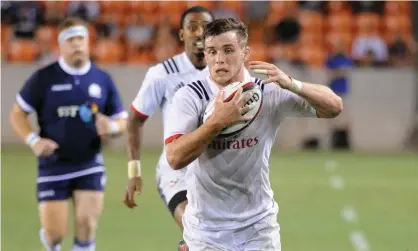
[(78, 65), (70, 69), (240, 77), (198, 63)]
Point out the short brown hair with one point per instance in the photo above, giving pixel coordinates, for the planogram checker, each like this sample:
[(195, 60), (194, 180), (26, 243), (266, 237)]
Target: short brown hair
[(71, 21), (223, 25)]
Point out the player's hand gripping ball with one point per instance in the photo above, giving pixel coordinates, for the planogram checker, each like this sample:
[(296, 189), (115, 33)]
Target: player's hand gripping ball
[(254, 104)]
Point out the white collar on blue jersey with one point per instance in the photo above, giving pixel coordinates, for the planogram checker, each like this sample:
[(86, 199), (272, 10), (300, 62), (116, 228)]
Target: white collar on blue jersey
[(74, 71)]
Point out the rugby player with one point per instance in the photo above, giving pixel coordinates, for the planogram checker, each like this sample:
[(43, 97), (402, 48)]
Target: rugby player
[(77, 106), (230, 200)]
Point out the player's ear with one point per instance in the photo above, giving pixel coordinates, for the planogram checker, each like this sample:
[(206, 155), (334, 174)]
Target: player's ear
[(181, 35), (247, 53)]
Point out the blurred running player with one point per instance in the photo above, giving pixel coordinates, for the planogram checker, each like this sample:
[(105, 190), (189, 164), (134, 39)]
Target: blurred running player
[(230, 200), (77, 106), (159, 85)]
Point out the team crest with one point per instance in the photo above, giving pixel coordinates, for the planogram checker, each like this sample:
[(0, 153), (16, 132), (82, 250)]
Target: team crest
[(95, 91)]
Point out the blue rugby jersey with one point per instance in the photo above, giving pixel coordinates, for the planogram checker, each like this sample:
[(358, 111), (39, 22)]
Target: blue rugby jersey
[(66, 101)]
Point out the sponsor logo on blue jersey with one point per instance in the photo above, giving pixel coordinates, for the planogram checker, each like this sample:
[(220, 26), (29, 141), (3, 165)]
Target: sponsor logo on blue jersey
[(85, 111)]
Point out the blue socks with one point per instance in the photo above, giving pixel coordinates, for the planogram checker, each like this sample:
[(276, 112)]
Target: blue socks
[(84, 245)]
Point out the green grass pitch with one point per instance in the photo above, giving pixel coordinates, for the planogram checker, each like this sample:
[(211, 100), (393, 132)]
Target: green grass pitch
[(383, 189)]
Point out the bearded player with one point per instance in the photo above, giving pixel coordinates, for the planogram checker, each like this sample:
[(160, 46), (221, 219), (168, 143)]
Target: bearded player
[(77, 106), (159, 85), (230, 200)]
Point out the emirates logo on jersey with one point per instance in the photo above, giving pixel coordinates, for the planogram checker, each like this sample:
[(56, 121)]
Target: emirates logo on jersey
[(233, 144)]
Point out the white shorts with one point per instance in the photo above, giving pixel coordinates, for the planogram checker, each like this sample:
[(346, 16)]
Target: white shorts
[(263, 235), (170, 183)]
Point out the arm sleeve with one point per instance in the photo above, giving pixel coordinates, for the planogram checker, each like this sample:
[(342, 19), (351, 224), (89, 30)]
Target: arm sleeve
[(30, 96), (149, 97), (289, 104), (183, 115), (114, 106)]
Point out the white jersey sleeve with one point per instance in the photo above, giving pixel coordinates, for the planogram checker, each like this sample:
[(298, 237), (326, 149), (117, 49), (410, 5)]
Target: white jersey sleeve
[(289, 104), (183, 114), (153, 89), (156, 71), (150, 97)]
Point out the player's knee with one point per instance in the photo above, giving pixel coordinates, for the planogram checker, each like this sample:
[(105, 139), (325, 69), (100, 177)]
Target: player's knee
[(86, 222)]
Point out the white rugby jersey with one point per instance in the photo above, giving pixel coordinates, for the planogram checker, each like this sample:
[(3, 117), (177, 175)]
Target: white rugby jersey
[(228, 186), (159, 92), (158, 88), (154, 92)]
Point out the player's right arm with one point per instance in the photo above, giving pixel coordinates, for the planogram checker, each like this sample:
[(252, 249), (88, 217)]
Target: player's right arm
[(27, 100), (147, 101), (186, 140)]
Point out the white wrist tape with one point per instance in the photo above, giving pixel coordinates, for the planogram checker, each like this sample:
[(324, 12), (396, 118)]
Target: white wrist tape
[(32, 139), (114, 127), (295, 86), (134, 169)]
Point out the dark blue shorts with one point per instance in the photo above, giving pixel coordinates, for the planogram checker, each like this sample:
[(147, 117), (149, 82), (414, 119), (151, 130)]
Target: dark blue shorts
[(63, 189)]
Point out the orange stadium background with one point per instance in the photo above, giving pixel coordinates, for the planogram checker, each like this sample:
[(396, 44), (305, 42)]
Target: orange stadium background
[(320, 28)]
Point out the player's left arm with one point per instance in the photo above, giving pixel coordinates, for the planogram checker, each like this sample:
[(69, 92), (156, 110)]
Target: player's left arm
[(326, 103), (113, 121)]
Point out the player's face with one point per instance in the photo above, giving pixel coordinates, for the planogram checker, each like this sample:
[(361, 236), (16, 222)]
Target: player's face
[(75, 50), (192, 31), (225, 56)]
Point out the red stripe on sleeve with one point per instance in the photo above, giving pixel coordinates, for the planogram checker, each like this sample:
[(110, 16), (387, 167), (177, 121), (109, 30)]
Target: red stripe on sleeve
[(138, 113), (172, 138)]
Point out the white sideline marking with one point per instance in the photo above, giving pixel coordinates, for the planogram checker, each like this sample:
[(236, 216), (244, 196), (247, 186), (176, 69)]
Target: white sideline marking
[(359, 241), (337, 182), (331, 165), (349, 214)]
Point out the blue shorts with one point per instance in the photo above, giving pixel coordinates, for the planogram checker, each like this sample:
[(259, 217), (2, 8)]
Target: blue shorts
[(63, 189)]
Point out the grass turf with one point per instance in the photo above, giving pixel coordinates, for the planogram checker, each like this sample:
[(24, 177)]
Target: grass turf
[(383, 189)]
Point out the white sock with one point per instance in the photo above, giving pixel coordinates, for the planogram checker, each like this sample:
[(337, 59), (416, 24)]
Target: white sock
[(45, 243)]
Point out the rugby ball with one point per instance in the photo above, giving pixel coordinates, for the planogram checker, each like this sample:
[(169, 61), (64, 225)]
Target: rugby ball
[(255, 102)]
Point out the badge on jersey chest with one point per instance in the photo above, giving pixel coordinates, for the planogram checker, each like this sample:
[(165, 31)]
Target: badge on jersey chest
[(95, 91)]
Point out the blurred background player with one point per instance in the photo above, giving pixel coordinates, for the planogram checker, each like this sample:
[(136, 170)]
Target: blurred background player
[(339, 65), (77, 106), (160, 83), (231, 204)]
